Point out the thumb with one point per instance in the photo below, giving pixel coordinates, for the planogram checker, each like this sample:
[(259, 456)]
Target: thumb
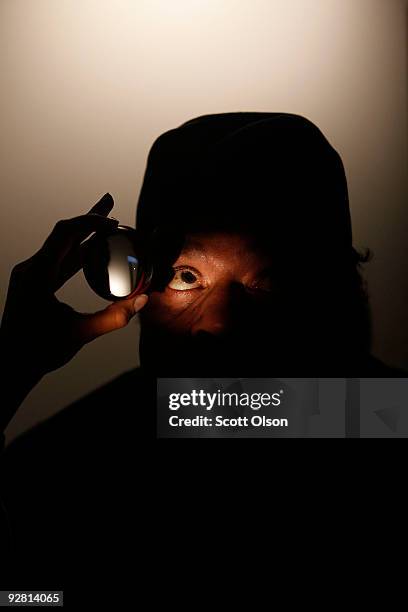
[(115, 316)]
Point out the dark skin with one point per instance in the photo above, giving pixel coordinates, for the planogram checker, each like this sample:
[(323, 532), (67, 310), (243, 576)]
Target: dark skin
[(210, 270), (217, 281), (45, 336), (221, 288)]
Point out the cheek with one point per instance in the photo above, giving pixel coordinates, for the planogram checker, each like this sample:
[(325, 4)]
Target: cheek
[(170, 309)]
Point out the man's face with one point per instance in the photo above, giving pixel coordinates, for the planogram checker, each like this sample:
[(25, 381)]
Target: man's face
[(215, 311)]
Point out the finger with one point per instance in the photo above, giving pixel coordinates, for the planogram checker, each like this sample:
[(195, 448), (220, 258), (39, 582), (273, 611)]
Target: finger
[(115, 316), (69, 232), (73, 263), (67, 235), (103, 206)]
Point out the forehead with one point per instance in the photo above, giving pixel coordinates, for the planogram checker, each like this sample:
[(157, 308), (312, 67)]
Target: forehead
[(226, 245)]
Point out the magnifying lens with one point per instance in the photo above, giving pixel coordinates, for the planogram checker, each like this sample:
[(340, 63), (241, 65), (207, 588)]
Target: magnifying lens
[(116, 264)]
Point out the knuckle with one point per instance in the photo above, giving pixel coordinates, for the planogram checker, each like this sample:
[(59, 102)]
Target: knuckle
[(60, 225), (122, 317), (19, 268)]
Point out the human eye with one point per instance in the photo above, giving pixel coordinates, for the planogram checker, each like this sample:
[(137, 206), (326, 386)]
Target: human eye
[(185, 278)]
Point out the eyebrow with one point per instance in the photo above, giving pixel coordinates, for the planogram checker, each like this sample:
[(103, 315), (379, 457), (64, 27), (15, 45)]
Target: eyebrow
[(194, 248)]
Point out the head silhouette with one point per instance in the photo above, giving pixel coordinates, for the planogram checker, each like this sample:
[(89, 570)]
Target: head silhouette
[(255, 267)]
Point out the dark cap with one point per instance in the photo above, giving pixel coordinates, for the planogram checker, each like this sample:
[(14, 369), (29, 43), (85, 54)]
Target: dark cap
[(272, 172)]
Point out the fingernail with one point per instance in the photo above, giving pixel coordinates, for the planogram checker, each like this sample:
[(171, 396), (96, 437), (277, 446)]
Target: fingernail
[(140, 301)]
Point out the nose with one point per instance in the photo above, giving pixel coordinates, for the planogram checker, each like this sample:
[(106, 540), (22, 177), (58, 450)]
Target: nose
[(218, 311)]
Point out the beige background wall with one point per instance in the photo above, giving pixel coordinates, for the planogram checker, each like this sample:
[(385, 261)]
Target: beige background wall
[(87, 85)]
